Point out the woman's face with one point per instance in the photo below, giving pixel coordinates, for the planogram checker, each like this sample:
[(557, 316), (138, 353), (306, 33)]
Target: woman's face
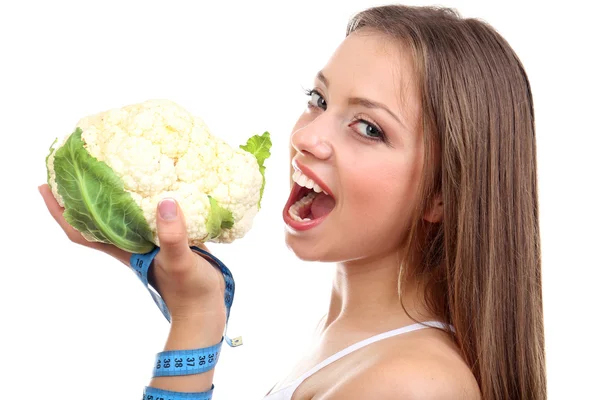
[(359, 139)]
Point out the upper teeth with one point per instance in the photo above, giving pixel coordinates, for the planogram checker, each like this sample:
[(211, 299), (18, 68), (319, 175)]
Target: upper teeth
[(306, 182)]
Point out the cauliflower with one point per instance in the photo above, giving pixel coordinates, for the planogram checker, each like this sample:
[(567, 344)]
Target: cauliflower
[(111, 173)]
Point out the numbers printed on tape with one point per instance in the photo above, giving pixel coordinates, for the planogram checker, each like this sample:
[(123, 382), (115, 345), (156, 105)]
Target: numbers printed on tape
[(184, 362), (187, 362)]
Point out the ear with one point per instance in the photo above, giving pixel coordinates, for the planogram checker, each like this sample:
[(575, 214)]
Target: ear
[(435, 212)]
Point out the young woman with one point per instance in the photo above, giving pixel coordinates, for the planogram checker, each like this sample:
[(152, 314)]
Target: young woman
[(419, 134)]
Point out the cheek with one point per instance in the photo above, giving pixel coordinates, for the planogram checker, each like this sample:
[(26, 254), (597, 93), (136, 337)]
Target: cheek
[(384, 195), (380, 194)]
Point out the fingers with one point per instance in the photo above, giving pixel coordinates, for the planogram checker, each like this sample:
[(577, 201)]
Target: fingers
[(172, 232), (57, 213), (73, 234), (172, 235), (55, 209)]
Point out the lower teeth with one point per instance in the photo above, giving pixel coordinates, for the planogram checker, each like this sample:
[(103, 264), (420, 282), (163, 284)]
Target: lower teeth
[(294, 210)]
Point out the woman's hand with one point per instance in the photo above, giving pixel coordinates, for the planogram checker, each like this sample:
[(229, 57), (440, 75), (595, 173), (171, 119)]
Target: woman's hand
[(192, 288)]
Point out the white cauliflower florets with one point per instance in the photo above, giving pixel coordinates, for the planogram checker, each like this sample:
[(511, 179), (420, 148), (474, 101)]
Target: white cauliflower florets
[(160, 150)]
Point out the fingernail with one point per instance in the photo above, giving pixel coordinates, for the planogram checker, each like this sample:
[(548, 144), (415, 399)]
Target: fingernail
[(167, 209)]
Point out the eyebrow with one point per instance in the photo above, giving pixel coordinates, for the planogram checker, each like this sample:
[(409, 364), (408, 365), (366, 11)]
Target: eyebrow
[(373, 104), (360, 101), (322, 78)]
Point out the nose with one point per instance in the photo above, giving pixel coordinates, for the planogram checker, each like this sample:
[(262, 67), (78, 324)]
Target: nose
[(312, 139)]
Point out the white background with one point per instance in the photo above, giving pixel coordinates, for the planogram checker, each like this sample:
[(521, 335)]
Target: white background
[(76, 324)]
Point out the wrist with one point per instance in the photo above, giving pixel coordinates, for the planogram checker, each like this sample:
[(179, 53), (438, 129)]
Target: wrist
[(196, 331), (190, 332)]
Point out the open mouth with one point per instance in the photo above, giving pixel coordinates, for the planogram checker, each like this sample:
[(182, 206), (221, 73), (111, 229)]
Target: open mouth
[(301, 210), (307, 206)]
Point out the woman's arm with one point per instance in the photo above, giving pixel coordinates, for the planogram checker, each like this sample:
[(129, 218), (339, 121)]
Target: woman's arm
[(192, 288), (196, 332)]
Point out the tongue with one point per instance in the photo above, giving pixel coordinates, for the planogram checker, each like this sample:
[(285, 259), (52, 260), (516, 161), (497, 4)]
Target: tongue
[(322, 205)]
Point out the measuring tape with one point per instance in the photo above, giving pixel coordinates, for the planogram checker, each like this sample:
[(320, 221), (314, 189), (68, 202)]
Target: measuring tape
[(151, 393), (187, 362), (184, 362), (141, 263)]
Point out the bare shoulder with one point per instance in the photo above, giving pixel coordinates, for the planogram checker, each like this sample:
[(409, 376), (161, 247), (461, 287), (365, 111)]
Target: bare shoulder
[(419, 374)]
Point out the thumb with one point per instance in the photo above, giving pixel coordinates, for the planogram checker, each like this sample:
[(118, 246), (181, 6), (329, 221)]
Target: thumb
[(172, 234)]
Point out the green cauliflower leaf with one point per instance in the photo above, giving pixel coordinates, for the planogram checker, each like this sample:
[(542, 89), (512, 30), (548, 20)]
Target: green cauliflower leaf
[(259, 146), (218, 219), (96, 203)]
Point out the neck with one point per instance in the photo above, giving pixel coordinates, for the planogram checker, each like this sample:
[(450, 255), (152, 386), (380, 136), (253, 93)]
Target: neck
[(366, 296)]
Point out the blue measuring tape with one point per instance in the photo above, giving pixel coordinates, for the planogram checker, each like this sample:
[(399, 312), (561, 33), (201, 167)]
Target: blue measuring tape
[(141, 263), (187, 362), (151, 393), (184, 362)]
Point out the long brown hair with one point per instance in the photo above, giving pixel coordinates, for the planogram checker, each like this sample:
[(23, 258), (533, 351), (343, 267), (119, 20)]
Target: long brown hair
[(480, 266)]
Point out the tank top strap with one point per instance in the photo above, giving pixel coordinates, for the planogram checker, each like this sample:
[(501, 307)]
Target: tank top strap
[(286, 392), (368, 341)]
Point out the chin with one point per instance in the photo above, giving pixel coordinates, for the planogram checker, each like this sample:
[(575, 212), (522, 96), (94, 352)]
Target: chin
[(307, 250)]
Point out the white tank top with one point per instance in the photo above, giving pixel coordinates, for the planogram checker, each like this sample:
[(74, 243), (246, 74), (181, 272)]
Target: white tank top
[(287, 392)]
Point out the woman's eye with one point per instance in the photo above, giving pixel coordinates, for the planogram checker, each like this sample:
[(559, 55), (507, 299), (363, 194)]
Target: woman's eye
[(316, 100), (368, 130)]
